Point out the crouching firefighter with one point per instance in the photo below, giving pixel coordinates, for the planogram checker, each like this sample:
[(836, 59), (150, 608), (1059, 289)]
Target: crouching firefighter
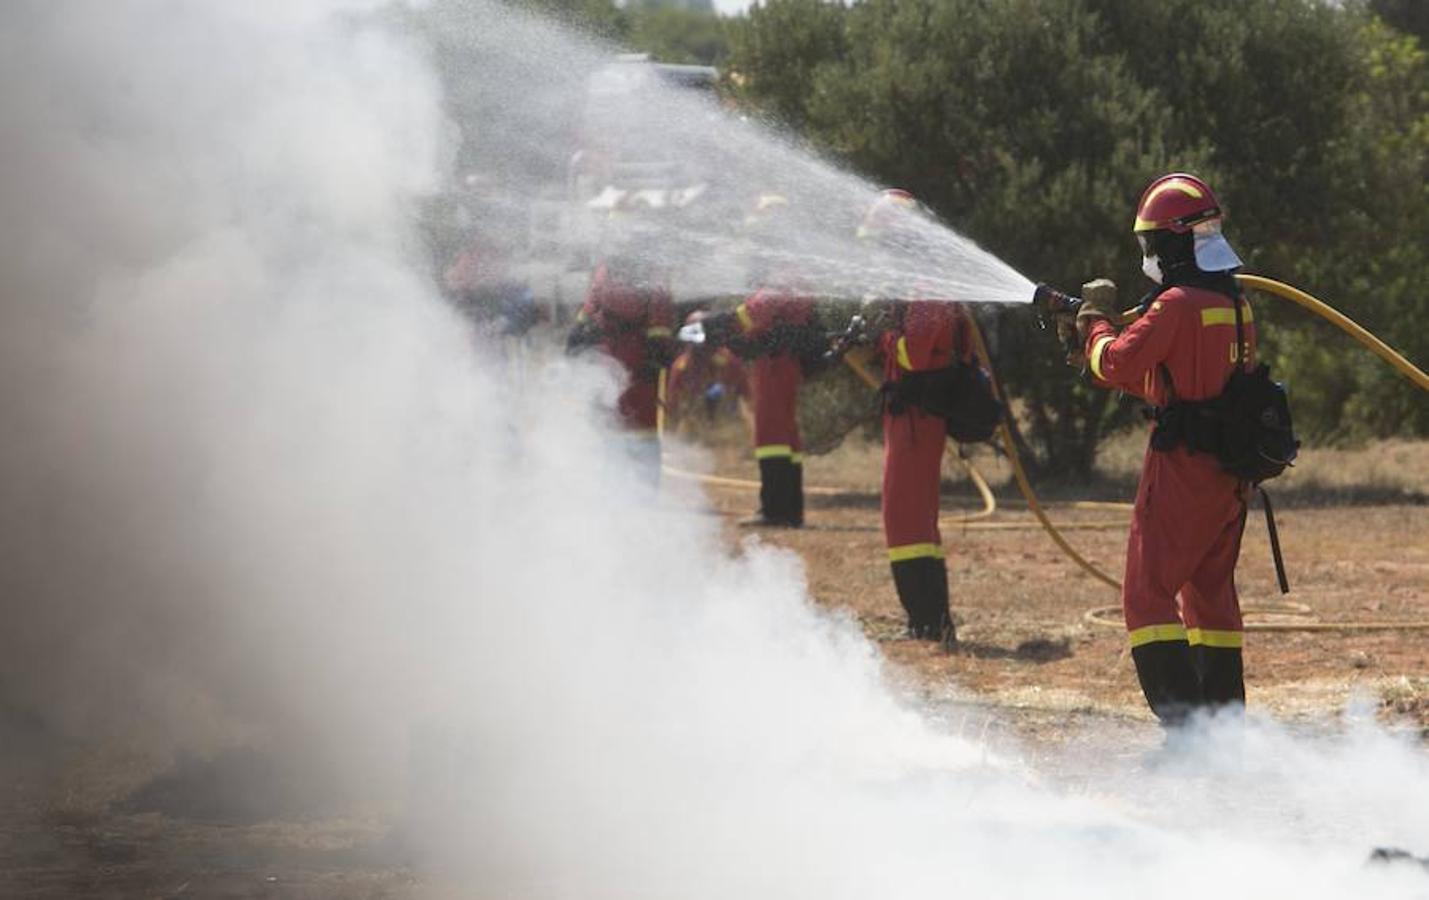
[(1190, 355)]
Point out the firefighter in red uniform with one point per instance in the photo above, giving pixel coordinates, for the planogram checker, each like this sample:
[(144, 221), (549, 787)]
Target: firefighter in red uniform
[(629, 314), (705, 376), (776, 328), (1179, 594), (922, 337)]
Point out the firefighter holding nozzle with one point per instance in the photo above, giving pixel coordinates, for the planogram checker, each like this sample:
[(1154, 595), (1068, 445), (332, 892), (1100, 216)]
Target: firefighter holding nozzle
[(1195, 332)]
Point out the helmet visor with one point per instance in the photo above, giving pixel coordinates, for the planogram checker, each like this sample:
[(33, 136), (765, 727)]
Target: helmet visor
[(1213, 251)]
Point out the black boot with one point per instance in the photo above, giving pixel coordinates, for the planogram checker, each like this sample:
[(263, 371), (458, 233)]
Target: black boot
[(1222, 675), (1168, 679), (922, 585), (776, 480)]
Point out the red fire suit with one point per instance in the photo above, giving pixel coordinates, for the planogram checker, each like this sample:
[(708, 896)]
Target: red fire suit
[(929, 335), (696, 370), (634, 325), (770, 322), (1179, 594)]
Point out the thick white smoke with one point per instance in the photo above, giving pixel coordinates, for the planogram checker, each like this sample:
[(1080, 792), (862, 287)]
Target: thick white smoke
[(260, 486)]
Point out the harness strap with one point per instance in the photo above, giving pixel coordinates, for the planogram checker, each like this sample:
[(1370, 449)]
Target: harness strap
[(1274, 542)]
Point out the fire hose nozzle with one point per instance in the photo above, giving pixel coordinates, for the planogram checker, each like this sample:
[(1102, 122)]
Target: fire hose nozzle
[(1051, 302)]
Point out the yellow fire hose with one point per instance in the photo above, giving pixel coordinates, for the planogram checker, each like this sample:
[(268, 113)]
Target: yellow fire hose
[(1343, 322), (1021, 475)]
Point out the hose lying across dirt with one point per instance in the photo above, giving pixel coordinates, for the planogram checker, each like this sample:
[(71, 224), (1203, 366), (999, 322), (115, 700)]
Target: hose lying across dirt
[(1110, 617)]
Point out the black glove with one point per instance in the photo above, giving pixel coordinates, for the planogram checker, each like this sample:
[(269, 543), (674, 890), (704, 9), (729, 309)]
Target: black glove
[(660, 351), (585, 333), (721, 329)]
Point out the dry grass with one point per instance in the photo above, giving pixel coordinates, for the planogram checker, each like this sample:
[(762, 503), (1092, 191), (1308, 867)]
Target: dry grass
[(1391, 471), (1394, 470)]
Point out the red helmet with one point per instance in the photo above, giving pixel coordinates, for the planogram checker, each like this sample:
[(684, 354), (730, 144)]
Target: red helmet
[(1184, 204), (891, 207), (1176, 202)]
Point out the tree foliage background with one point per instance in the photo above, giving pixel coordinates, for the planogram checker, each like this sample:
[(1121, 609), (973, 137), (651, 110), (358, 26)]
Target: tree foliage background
[(1033, 125)]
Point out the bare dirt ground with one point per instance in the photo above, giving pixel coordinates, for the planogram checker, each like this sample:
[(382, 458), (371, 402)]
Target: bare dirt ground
[(1034, 670), (1354, 527)]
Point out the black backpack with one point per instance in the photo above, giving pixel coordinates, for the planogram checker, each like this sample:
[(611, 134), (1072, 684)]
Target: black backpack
[(960, 394), (1247, 427)]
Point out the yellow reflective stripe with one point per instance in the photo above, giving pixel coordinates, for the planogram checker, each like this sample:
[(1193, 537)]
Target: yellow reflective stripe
[(1209, 638), (914, 551), (1174, 184), (745, 321), (1219, 315), (772, 451), (796, 458), (1152, 634), (658, 331), (903, 359), (1096, 359)]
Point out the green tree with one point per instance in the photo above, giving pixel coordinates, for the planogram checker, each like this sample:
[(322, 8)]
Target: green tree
[(775, 50), (674, 34), (1033, 125), (1022, 132), (1409, 16), (1380, 248)]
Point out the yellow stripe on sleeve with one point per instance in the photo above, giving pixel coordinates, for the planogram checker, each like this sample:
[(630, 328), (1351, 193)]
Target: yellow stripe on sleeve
[(1096, 358)]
